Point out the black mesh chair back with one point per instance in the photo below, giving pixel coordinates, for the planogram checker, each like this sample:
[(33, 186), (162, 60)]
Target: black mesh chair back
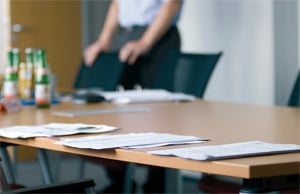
[(103, 74), (294, 99), (193, 72), (165, 71), (185, 72)]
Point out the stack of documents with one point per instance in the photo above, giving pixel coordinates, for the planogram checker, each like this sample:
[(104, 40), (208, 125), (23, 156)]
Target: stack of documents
[(144, 96), (129, 141), (235, 150), (53, 129)]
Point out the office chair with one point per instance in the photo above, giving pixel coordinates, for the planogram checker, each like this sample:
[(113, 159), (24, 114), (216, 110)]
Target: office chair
[(187, 73), (3, 182), (178, 72), (193, 72), (294, 100), (217, 184), (103, 74), (75, 186)]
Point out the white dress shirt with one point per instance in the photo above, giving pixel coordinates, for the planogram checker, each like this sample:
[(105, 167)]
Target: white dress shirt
[(140, 12)]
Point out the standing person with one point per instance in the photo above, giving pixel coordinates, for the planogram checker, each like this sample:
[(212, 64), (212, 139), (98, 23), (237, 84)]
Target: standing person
[(147, 29)]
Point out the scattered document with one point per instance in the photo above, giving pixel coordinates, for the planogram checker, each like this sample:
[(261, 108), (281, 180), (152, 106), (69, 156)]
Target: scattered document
[(53, 129), (144, 96), (226, 151), (129, 141), (101, 111)]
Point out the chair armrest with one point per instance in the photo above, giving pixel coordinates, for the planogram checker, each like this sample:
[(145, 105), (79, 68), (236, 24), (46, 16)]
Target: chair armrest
[(75, 186)]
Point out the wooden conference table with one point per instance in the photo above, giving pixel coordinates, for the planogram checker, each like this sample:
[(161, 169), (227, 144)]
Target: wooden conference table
[(220, 122)]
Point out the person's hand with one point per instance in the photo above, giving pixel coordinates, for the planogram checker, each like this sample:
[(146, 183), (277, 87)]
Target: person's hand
[(132, 50), (91, 52)]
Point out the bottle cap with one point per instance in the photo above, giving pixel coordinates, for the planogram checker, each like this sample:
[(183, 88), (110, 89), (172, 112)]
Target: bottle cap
[(28, 50), (40, 51), (15, 50)]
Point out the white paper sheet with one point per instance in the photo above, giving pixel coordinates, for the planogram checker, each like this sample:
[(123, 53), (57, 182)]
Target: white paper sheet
[(235, 150), (52, 129), (144, 96), (129, 141)]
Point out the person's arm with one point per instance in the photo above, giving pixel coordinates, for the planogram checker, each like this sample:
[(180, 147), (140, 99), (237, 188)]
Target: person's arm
[(104, 39), (133, 49)]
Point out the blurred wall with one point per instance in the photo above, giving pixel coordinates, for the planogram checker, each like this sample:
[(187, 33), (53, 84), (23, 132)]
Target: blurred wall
[(243, 30), (286, 47), (4, 33), (248, 32), (93, 16)]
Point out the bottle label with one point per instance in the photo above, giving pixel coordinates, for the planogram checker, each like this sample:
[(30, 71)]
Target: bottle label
[(41, 71), (26, 83), (10, 89), (9, 70), (42, 94)]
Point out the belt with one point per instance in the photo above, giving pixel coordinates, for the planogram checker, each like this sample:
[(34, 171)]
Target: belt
[(131, 28)]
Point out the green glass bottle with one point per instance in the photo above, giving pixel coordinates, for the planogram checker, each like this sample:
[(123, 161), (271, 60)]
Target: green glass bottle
[(10, 80), (42, 81), (26, 76), (35, 58), (16, 59)]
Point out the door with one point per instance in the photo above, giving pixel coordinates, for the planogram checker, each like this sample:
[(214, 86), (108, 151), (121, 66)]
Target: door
[(54, 25)]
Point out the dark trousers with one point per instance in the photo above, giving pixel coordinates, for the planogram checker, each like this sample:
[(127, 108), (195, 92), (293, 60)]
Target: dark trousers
[(143, 73), (144, 70)]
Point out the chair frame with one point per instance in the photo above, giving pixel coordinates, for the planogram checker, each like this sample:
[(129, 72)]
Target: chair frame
[(74, 186)]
